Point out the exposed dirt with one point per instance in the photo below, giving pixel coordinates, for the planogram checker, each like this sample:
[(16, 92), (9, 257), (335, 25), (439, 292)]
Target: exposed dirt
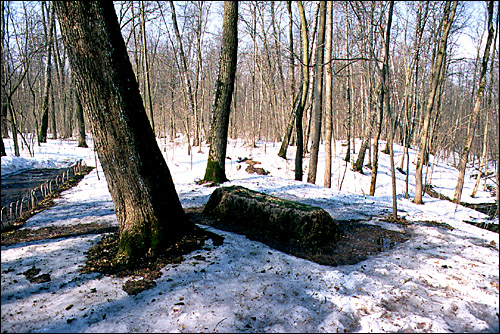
[(102, 259), (357, 243), (53, 232), (251, 166), (358, 240)]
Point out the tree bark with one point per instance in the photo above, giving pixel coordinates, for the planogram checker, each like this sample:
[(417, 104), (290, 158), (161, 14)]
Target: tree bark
[(288, 221), (42, 135), (305, 87), (328, 96), (424, 133), (80, 121), (147, 206), (477, 108), (147, 89), (318, 95), (215, 171), (383, 88), (486, 123), (184, 69), (293, 101)]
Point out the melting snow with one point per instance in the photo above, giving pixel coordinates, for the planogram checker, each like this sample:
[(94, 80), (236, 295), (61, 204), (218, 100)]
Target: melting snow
[(438, 281)]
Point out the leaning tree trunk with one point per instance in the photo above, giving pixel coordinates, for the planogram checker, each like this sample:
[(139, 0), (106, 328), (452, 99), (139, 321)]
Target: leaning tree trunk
[(216, 171), (486, 123), (424, 133), (477, 108), (147, 206)]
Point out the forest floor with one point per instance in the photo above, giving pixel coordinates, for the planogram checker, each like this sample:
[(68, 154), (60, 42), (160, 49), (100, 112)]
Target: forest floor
[(429, 271)]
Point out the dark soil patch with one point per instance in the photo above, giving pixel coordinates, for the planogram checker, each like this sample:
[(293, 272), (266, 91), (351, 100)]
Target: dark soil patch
[(54, 232), (102, 259), (251, 166), (31, 275), (357, 242), (489, 209)]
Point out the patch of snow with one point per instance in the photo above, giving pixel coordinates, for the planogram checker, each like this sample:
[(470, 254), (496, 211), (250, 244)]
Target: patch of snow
[(439, 280)]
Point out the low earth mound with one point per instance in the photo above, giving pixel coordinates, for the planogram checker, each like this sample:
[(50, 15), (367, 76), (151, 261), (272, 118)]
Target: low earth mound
[(307, 225)]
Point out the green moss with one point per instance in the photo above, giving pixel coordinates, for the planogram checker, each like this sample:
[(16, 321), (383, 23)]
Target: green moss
[(134, 243), (264, 198), (214, 172)]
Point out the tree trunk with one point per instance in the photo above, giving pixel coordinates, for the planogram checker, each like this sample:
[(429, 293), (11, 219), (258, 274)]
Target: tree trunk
[(184, 68), (215, 171), (383, 88), (477, 107), (318, 95), (486, 123), (293, 99), (305, 87), (2, 148), (80, 121), (328, 96), (147, 206), (42, 135), (424, 133), (147, 89), (348, 89)]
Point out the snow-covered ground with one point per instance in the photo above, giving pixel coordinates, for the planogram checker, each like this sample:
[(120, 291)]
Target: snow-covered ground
[(438, 281)]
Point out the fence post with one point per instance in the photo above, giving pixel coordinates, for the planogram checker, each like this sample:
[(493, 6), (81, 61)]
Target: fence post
[(2, 215), (10, 213)]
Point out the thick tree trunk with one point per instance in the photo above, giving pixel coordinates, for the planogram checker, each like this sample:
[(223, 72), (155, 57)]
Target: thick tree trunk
[(318, 96), (477, 107), (424, 133), (148, 209), (215, 171)]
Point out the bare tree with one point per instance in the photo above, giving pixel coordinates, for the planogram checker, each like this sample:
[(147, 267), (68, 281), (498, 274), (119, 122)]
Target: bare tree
[(216, 171), (424, 133), (383, 88), (147, 88), (147, 206), (477, 107), (488, 108), (305, 87), (328, 96), (317, 95), (42, 135)]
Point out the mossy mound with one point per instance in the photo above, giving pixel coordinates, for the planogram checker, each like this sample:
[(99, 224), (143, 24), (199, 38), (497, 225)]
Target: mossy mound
[(308, 225)]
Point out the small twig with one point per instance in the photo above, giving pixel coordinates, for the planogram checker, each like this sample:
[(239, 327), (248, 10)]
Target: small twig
[(219, 323)]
